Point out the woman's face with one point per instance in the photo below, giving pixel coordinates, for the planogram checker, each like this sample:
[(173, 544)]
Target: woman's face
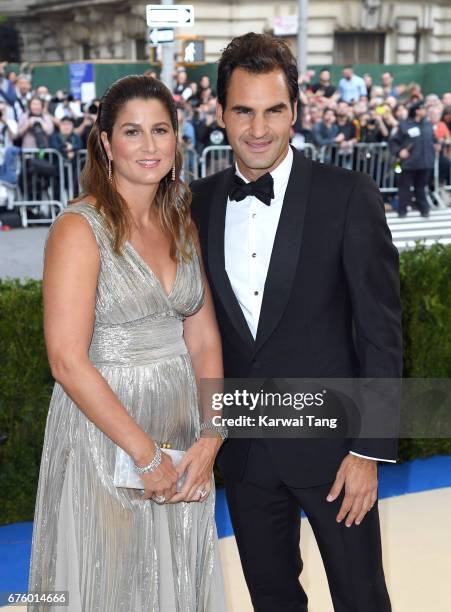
[(143, 143), (36, 107), (401, 113)]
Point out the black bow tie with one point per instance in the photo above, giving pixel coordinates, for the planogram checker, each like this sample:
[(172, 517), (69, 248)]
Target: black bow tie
[(263, 189)]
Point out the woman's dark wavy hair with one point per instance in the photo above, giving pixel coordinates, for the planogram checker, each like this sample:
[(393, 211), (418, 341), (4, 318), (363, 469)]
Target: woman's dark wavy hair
[(258, 54), (173, 198)]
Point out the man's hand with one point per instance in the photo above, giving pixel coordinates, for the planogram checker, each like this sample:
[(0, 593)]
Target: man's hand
[(359, 477), (404, 154)]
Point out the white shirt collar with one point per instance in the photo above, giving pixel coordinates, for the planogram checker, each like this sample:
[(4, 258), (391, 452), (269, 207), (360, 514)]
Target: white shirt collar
[(281, 174)]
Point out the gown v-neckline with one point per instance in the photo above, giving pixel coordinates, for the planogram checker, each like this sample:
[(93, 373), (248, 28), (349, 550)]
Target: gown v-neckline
[(152, 274), (144, 263)]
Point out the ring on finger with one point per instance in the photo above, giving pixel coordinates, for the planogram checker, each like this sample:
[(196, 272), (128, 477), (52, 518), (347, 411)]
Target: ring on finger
[(159, 499), (202, 493)]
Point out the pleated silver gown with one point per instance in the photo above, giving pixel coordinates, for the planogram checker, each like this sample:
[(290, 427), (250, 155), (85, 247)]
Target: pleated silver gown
[(113, 551)]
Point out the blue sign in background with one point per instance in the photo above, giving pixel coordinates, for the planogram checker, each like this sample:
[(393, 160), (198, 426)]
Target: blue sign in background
[(80, 73)]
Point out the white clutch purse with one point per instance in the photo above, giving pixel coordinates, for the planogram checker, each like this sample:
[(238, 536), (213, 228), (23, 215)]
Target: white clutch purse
[(126, 476)]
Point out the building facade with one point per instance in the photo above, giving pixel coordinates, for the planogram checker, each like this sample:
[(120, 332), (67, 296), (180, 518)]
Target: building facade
[(339, 31)]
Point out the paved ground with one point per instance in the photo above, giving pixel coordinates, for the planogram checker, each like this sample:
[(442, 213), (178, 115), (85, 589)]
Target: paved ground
[(21, 252)]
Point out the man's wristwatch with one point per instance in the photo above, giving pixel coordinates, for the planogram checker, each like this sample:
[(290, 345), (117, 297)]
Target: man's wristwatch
[(219, 429)]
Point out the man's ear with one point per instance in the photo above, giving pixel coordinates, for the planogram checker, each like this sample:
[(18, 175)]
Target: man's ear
[(295, 112), (219, 115), (106, 144)]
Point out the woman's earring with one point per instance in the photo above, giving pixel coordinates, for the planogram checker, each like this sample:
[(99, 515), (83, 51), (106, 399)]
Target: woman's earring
[(110, 173), (173, 172)]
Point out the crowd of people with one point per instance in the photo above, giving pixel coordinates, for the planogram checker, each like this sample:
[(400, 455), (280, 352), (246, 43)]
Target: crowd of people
[(340, 115)]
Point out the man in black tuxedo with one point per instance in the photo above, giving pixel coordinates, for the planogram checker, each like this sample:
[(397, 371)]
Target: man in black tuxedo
[(305, 282)]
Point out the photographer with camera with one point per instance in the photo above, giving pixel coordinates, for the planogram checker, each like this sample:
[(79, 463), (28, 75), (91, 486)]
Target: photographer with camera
[(68, 107), (83, 129), (67, 143), (35, 126), (373, 128)]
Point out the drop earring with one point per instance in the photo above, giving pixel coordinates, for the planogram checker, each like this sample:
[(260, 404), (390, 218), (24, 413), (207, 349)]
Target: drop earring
[(110, 173), (173, 172)]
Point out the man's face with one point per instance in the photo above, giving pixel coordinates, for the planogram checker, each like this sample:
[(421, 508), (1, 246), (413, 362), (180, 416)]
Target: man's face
[(66, 128), (347, 73), (401, 113), (315, 113), (360, 108), (343, 109), (258, 119), (386, 79), (420, 113), (329, 117), (324, 77), (434, 113), (24, 86)]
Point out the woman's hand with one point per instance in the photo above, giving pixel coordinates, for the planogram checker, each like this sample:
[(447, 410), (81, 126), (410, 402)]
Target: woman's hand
[(198, 463), (160, 482)]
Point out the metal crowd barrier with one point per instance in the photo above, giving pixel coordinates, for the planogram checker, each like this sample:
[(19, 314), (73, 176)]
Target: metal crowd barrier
[(42, 186), (214, 159), (218, 158), (190, 170), (47, 180), (374, 159)]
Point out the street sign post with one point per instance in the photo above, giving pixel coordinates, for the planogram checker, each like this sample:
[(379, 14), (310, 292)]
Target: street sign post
[(170, 15), (167, 16), (162, 36)]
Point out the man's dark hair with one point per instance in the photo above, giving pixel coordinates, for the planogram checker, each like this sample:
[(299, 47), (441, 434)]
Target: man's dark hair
[(258, 54)]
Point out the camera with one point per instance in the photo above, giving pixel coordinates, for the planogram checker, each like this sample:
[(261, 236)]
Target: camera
[(92, 109)]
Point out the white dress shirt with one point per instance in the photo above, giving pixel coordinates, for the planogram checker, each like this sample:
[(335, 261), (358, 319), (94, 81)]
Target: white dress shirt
[(250, 229)]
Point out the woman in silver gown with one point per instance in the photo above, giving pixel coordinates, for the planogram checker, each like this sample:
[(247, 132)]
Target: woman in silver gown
[(130, 330)]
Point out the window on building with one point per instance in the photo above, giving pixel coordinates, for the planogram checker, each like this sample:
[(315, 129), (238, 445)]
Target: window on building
[(141, 51), (359, 47)]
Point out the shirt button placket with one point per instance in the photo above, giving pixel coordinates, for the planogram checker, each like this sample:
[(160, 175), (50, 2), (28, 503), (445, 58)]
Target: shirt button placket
[(252, 259)]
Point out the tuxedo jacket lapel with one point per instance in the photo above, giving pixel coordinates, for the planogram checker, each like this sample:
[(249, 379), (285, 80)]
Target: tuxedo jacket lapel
[(216, 259), (286, 249)]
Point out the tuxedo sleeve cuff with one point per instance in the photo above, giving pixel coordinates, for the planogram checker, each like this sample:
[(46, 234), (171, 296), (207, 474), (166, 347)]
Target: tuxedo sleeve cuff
[(372, 458)]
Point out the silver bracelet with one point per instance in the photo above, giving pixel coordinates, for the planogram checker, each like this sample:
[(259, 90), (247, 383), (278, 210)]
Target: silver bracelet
[(222, 431), (152, 465)]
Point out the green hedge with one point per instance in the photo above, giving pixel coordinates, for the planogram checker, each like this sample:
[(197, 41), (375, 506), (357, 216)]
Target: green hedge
[(26, 381)]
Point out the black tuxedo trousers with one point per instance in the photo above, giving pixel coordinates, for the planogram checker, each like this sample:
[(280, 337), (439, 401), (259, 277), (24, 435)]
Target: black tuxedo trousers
[(330, 309)]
